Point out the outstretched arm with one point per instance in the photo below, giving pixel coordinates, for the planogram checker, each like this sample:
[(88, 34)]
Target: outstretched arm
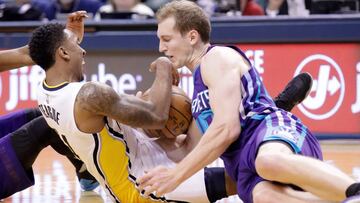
[(15, 58), (95, 101), (75, 23)]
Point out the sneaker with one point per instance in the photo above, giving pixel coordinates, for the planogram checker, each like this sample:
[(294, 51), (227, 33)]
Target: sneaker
[(88, 185), (86, 180), (295, 92), (353, 199)]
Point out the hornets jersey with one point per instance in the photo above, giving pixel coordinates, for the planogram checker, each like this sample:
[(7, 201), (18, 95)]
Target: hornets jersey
[(255, 101)]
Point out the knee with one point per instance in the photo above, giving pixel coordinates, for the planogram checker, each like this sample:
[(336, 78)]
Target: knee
[(271, 165)]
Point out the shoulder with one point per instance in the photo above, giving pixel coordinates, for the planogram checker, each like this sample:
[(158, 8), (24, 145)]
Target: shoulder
[(222, 57), (221, 60), (94, 88), (222, 52), (96, 95)]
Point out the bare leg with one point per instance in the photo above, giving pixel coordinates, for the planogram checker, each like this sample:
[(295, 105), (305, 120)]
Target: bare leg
[(276, 162), (268, 192)]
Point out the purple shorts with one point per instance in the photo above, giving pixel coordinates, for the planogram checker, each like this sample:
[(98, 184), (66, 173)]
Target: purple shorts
[(13, 176), (13, 121), (281, 126)]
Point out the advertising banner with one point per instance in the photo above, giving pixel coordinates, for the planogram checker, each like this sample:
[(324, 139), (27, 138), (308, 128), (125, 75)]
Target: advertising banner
[(333, 105)]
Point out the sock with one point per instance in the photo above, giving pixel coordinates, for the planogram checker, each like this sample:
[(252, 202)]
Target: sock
[(215, 183)]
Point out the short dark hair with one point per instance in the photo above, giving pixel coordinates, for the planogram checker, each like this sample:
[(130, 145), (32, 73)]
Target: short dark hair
[(44, 42), (188, 15)]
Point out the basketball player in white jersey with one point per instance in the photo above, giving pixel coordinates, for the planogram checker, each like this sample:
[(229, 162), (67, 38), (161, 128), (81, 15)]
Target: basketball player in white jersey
[(25, 133)]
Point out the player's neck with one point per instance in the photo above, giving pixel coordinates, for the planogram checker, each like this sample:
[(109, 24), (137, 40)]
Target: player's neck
[(197, 55), (55, 77)]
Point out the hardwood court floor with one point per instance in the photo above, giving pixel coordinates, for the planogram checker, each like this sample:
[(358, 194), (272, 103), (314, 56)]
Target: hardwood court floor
[(56, 182)]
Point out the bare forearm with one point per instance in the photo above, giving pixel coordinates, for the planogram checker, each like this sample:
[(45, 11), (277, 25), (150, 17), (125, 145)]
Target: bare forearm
[(15, 58), (160, 91), (210, 147), (101, 100)]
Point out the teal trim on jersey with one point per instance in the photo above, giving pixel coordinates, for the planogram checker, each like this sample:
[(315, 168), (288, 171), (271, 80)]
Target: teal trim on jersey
[(258, 117), (296, 148), (302, 136), (269, 137), (268, 121), (202, 119), (258, 90)]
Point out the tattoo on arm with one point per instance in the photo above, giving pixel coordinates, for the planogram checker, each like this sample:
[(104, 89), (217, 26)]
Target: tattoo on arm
[(101, 99)]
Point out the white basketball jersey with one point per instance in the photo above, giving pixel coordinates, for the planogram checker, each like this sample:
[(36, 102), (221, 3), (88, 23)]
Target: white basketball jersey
[(117, 155)]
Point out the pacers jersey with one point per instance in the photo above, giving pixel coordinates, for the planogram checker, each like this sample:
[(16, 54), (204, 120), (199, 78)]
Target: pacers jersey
[(106, 154)]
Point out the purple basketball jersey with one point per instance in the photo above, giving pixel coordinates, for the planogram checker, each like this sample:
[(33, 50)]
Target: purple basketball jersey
[(260, 121)]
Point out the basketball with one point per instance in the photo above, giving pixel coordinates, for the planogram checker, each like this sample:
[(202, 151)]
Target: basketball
[(179, 116)]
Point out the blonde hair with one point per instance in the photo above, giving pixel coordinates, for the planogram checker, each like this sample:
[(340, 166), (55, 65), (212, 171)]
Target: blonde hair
[(188, 16)]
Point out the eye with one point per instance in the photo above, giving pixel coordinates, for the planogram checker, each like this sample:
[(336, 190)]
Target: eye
[(166, 39)]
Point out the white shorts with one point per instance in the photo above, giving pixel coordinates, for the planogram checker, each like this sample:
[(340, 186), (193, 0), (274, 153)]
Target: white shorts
[(146, 154)]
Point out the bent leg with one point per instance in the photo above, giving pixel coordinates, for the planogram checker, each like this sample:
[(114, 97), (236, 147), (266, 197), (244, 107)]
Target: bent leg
[(13, 121), (269, 192), (14, 177), (276, 162), (30, 139)]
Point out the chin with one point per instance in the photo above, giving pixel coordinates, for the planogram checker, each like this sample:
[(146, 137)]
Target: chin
[(177, 66)]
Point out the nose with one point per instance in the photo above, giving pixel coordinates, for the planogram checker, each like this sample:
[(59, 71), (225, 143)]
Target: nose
[(162, 47)]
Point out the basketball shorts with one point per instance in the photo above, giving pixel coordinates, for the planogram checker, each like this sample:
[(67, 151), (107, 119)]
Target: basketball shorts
[(279, 126), (14, 177)]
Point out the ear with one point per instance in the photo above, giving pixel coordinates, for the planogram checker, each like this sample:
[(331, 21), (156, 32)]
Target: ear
[(63, 53), (194, 36)]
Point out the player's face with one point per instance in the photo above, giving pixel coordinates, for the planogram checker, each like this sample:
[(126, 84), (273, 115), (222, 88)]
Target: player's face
[(76, 54), (175, 46)]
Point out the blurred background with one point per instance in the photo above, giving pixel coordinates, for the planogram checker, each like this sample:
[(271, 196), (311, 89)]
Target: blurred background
[(281, 37)]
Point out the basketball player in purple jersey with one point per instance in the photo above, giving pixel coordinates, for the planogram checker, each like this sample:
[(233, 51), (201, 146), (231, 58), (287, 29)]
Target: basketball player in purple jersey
[(261, 145)]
